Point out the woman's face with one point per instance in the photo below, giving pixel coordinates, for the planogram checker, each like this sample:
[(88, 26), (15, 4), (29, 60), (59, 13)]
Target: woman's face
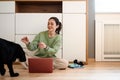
[(52, 25)]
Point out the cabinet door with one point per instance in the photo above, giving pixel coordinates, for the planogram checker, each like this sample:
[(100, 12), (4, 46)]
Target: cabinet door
[(74, 37), (7, 26), (74, 6), (33, 23), (7, 6)]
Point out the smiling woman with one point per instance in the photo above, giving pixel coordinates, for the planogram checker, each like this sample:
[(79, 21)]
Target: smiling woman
[(47, 43), (107, 6)]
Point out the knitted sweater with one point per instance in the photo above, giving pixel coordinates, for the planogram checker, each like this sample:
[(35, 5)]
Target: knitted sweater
[(53, 45)]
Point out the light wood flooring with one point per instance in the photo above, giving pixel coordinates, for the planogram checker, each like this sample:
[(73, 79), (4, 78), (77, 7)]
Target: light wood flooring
[(92, 71)]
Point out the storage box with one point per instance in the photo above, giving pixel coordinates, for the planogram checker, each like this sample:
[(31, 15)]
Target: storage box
[(40, 65)]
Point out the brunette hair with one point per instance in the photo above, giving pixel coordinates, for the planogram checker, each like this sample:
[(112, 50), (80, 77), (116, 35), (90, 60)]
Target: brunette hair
[(57, 23)]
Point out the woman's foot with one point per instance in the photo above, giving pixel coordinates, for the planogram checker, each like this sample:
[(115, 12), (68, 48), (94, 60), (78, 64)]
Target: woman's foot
[(24, 65)]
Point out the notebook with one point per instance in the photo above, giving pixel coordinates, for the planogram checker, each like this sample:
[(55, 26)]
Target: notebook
[(40, 65)]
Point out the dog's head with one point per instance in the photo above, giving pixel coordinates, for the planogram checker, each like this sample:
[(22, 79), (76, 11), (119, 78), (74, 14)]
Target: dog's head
[(9, 51), (20, 54)]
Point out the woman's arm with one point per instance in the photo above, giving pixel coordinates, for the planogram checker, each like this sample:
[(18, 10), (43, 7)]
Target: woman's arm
[(34, 44)]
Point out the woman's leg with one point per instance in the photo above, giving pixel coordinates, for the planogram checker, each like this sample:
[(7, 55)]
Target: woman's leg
[(60, 63)]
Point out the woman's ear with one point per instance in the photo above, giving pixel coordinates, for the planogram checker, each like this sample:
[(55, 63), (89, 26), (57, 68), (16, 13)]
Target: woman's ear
[(57, 26)]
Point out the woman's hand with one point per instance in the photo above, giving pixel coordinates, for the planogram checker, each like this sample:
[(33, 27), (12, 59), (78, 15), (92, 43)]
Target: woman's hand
[(42, 45), (25, 40)]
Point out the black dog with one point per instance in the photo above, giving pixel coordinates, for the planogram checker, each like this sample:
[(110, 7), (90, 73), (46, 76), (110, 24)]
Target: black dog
[(9, 52)]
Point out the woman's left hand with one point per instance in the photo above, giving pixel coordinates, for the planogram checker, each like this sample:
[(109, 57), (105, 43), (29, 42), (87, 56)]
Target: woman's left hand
[(42, 45)]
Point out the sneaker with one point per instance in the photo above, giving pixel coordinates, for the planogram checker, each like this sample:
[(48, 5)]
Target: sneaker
[(74, 65)]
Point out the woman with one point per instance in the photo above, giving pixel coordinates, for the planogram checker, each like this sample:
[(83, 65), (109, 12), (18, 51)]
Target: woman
[(47, 43)]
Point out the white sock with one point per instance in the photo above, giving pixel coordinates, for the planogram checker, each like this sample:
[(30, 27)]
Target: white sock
[(24, 65)]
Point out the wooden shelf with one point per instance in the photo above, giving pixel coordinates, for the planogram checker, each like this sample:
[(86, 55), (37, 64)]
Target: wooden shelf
[(49, 0), (38, 6), (6, 0), (38, 0)]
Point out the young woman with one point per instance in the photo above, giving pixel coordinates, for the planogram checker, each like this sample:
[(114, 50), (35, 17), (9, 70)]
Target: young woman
[(47, 43)]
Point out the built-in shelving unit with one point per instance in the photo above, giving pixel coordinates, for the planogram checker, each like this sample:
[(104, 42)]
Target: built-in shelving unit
[(38, 7), (31, 16)]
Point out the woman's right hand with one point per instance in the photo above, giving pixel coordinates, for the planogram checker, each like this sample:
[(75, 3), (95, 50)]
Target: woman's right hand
[(25, 40)]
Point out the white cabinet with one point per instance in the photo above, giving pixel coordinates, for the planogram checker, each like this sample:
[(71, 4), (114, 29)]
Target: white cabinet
[(7, 6), (74, 30), (74, 6), (7, 21), (7, 26), (74, 36)]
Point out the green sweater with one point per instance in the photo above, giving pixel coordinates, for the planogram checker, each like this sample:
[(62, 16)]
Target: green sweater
[(53, 45)]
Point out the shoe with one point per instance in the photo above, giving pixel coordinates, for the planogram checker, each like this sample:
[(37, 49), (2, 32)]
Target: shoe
[(74, 65), (79, 63)]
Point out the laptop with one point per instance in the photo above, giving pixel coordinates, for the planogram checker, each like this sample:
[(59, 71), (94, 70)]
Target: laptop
[(40, 65)]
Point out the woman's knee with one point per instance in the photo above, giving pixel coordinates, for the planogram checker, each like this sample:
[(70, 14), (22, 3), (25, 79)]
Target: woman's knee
[(61, 63), (65, 63)]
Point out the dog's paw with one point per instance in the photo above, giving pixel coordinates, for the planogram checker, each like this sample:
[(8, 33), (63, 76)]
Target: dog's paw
[(2, 72), (14, 75)]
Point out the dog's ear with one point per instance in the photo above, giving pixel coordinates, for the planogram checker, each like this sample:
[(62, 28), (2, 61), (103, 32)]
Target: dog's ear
[(21, 54)]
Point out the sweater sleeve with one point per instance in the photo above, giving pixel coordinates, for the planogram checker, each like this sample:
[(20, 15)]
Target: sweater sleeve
[(56, 46), (34, 44)]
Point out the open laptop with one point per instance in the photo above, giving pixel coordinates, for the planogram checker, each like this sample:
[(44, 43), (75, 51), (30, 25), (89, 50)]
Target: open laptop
[(40, 65)]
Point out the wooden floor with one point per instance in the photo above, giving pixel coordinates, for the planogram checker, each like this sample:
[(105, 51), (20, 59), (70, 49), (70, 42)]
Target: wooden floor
[(92, 71)]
